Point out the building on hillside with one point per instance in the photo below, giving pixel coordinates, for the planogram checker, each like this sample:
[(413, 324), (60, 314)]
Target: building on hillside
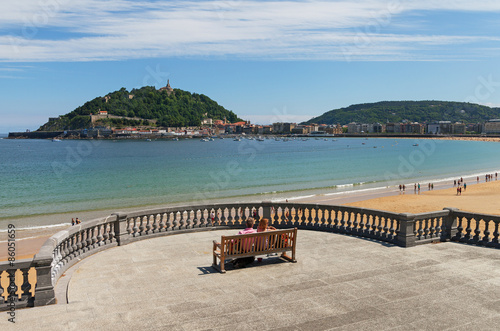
[(353, 127), (167, 88), (334, 129), (300, 129), (474, 127), (492, 127), (265, 129), (206, 121), (393, 128), (281, 127), (458, 128)]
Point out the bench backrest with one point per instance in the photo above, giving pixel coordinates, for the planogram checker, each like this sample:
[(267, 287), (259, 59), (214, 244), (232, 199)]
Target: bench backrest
[(260, 242)]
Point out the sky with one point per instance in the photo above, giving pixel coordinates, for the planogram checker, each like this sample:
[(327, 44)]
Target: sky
[(267, 61)]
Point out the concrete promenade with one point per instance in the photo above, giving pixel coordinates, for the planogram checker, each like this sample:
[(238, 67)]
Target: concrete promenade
[(339, 283)]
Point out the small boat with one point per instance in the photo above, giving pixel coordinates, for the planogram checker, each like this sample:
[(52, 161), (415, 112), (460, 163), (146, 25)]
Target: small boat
[(56, 140), (415, 144), (204, 139), (175, 139), (148, 139), (237, 139)]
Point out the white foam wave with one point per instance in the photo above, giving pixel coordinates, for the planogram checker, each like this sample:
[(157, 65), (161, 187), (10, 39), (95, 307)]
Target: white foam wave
[(41, 227)]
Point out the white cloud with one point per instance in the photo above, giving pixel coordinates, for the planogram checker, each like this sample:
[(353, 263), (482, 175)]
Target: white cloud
[(94, 30)]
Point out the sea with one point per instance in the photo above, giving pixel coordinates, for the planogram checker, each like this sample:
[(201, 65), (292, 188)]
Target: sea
[(40, 178)]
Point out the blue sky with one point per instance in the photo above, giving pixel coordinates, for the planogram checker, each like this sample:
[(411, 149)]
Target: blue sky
[(265, 60)]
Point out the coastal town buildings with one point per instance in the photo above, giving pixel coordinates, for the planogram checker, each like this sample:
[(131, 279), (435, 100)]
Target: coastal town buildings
[(492, 127)]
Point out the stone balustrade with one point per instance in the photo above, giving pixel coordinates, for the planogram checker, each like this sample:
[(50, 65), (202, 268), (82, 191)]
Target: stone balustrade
[(32, 282)]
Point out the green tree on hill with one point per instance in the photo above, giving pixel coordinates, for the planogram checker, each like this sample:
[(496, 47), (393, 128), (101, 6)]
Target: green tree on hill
[(180, 108)]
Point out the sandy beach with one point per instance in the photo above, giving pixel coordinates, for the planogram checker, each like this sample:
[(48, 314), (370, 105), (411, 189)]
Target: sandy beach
[(479, 198)]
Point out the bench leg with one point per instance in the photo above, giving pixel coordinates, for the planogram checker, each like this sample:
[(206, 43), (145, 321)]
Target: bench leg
[(288, 258)]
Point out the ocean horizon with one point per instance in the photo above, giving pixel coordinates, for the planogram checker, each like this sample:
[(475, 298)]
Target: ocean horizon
[(41, 177)]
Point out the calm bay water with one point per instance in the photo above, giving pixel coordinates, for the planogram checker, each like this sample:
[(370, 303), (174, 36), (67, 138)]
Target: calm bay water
[(40, 177)]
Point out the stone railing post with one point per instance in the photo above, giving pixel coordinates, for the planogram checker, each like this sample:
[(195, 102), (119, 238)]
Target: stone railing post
[(120, 226), (450, 225), (44, 290), (405, 236)]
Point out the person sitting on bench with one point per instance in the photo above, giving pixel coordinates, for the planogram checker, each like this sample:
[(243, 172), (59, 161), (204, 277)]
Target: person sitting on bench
[(247, 245)]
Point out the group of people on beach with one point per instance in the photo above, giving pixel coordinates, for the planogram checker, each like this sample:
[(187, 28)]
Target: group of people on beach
[(489, 177), (74, 222), (461, 184), (416, 187)]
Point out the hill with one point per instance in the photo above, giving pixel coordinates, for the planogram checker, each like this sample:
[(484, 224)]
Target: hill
[(413, 111), (144, 106)]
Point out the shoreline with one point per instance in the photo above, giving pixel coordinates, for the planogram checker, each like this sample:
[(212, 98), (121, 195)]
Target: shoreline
[(389, 198)]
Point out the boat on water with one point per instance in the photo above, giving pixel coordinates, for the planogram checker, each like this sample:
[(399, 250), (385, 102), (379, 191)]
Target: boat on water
[(148, 139), (204, 139), (237, 139), (56, 140), (415, 144), (175, 139)]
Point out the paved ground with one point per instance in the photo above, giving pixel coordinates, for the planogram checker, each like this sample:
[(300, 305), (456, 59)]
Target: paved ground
[(339, 283)]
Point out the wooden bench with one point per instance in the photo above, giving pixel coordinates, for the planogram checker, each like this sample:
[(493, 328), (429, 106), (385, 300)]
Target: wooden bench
[(252, 244)]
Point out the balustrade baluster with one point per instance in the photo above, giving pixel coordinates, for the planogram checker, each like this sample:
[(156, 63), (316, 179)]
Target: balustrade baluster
[(155, 222), (230, 218), (182, 220), (136, 221), (385, 228), (79, 243), (420, 232), (468, 230), (223, 220), (93, 236), (358, 219), (377, 222), (486, 232), (336, 220), (477, 231), (371, 224), (460, 235), (175, 221), (439, 229), (102, 234), (344, 220), (161, 226), (316, 218), (393, 227), (495, 235)]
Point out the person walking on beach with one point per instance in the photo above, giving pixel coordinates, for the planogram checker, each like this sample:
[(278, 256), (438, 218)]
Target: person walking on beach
[(418, 188), (404, 188), (400, 187), (465, 186), (454, 183)]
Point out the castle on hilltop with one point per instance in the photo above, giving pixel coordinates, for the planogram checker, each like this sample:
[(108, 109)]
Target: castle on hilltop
[(167, 88)]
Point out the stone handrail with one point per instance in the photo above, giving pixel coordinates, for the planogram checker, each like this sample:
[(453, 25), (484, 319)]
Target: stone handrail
[(69, 246)]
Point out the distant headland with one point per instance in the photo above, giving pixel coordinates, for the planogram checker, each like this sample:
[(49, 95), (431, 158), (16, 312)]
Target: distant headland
[(148, 112)]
